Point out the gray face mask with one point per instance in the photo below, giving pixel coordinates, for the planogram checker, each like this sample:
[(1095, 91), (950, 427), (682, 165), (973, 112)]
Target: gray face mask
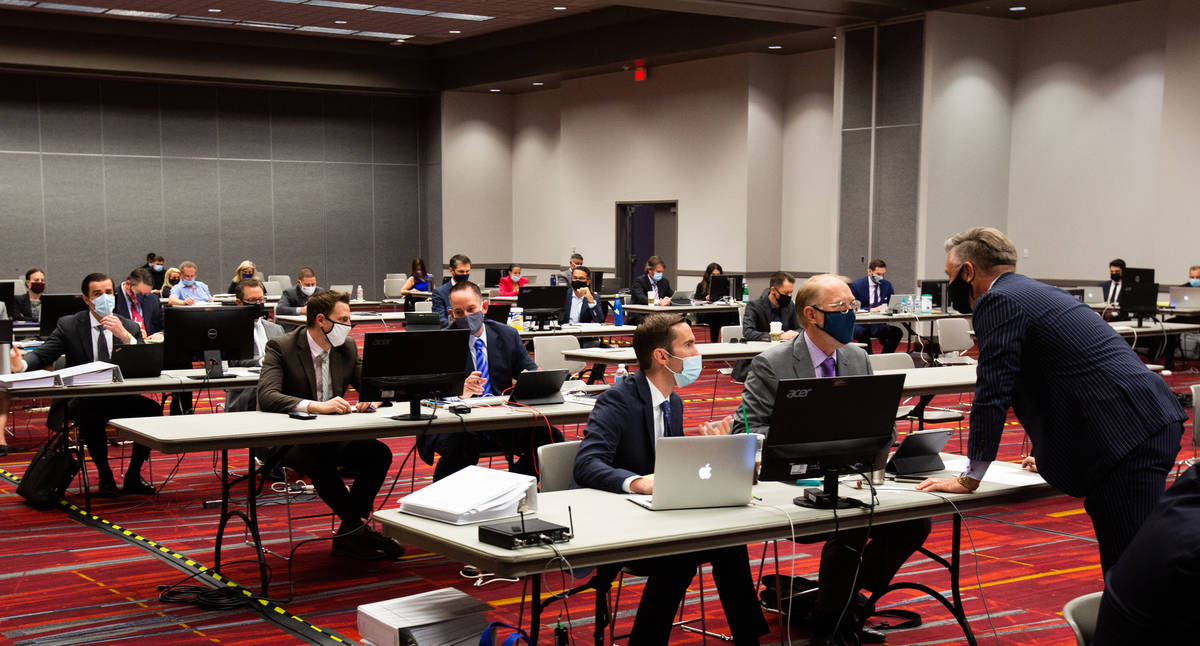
[(472, 322)]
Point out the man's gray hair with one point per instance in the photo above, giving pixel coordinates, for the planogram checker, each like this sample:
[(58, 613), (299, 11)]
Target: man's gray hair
[(984, 247)]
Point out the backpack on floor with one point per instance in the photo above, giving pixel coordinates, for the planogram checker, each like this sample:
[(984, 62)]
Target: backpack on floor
[(49, 474)]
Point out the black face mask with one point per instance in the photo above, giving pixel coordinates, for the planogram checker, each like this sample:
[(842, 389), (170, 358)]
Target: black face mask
[(959, 293), (459, 278), (259, 310), (174, 281), (1115, 276), (578, 284), (784, 299)]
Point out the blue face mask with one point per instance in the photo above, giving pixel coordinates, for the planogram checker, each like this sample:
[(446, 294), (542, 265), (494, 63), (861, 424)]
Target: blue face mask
[(104, 304), (839, 325), (189, 283), (690, 371), (1194, 282), (657, 276), (158, 267), (876, 278)]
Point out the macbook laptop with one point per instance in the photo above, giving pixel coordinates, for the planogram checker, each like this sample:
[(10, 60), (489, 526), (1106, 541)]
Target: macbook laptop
[(1093, 295), (422, 321), (538, 387), (701, 471), (896, 300), (918, 453), (138, 360), (1185, 298)]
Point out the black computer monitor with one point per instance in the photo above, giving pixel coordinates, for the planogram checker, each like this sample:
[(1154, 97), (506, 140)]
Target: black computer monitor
[(1136, 276), (208, 334), (827, 427), (498, 312), (9, 298), (597, 282), (535, 299), (6, 332), (720, 286), (56, 306), (1076, 292), (937, 289), (492, 276), (1139, 299), (398, 366)]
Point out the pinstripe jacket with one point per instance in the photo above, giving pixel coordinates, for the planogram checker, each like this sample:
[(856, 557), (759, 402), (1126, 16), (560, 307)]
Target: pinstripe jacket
[(1080, 391)]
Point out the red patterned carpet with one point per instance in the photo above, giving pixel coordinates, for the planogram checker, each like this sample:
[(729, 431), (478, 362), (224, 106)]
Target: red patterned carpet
[(67, 581)]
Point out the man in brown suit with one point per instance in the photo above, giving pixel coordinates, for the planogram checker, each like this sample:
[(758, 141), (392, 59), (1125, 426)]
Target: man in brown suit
[(308, 370)]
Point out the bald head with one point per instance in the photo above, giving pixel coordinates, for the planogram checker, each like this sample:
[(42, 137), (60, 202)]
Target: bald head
[(819, 292)]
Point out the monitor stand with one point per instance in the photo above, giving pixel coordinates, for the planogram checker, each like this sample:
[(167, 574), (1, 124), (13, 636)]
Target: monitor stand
[(414, 412), (212, 366), (826, 497)]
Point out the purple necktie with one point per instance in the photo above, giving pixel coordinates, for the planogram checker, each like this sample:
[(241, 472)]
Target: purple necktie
[(828, 368)]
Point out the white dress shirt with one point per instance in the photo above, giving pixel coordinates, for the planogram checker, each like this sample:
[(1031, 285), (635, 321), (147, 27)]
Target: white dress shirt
[(316, 351), (577, 305)]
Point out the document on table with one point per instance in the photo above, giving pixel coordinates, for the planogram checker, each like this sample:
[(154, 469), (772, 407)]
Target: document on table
[(31, 379), (90, 374), (472, 495)]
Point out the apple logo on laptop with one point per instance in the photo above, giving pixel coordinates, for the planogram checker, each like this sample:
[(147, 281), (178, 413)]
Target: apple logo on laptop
[(706, 472)]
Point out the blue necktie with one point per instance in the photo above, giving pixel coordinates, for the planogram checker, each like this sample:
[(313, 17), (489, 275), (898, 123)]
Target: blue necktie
[(666, 413), (481, 366)]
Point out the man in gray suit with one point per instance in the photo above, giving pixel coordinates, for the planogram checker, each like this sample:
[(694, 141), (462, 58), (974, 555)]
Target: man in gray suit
[(250, 292), (826, 308)]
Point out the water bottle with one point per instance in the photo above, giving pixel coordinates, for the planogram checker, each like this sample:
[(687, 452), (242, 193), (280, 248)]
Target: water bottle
[(745, 293), (621, 373), (553, 280), (359, 293), (618, 313)]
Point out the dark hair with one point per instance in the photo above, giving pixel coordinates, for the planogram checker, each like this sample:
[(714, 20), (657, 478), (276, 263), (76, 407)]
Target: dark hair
[(159, 259), (511, 265), (458, 259), (654, 261), (464, 286), (654, 332), (322, 303), (418, 268), (306, 272), (780, 277), (96, 277), (875, 264), (246, 283), (704, 282), (584, 270), (33, 271), (1117, 262), (151, 256), (141, 276), (576, 256)]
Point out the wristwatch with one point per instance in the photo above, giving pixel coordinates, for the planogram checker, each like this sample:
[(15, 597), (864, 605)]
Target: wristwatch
[(968, 483)]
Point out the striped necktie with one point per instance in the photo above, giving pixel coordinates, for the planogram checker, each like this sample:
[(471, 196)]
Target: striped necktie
[(481, 365)]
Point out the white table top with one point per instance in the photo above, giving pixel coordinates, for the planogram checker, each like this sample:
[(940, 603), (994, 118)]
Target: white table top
[(1152, 328), (582, 330), (355, 317), (708, 351), (684, 309), (168, 381), (229, 298), (876, 317), (610, 529)]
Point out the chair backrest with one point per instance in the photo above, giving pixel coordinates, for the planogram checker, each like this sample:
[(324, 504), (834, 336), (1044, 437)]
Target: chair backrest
[(345, 289), (891, 361), (731, 332), (396, 276), (392, 287), (284, 280), (954, 335), (548, 352), (272, 288), (1080, 614), (423, 306), (556, 463)]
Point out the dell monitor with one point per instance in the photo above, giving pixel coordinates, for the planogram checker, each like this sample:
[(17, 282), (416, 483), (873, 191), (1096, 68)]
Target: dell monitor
[(826, 427), (492, 276), (723, 285), (398, 366), (1139, 299), (56, 306), (209, 334), (542, 302), (937, 289)]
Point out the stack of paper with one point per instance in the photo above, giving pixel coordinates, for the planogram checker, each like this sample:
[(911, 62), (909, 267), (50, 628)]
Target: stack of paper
[(473, 495), (31, 379), (90, 374), (437, 617)]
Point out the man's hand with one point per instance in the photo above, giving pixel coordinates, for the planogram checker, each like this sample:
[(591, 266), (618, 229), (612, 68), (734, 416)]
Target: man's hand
[(948, 485), (304, 310), (585, 292), (789, 335), (473, 386), (189, 301), (335, 406), (664, 301), (1029, 464), (644, 485), (879, 308), (14, 361), (722, 427), (366, 407), (113, 324)]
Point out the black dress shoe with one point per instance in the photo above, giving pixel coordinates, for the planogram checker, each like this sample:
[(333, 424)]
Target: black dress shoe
[(390, 547), (871, 636), (357, 545), (137, 487), (108, 489), (3, 448)]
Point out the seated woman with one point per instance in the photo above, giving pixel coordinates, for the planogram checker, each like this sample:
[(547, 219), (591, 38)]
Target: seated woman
[(714, 321), (170, 279), (512, 282), (244, 271), (29, 304), (419, 280)]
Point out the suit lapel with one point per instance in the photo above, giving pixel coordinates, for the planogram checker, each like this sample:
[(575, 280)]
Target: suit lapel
[(643, 388), (85, 336), (306, 360), (802, 361)]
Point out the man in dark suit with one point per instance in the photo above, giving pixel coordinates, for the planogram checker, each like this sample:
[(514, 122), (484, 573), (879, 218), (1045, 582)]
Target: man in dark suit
[(617, 455), (1103, 427), (460, 271), (85, 337), (308, 370), (137, 302), (849, 561), (582, 306), (294, 300), (250, 292), (873, 292), (496, 355), (1112, 288), (652, 287), (775, 305)]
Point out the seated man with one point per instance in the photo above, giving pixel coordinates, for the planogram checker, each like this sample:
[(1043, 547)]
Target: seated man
[(308, 370), (294, 299), (582, 306), (460, 271), (495, 357), (85, 337), (137, 302), (774, 306), (826, 309), (617, 455), (189, 291), (652, 287), (250, 292), (873, 291)]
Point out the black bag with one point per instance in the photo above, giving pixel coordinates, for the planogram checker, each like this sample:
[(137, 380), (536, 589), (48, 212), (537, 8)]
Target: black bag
[(49, 473)]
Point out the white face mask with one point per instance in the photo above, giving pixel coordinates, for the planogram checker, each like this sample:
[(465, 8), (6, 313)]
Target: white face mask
[(338, 334), (308, 291)]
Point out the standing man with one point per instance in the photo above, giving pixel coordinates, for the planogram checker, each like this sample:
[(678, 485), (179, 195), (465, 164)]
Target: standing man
[(576, 260), (775, 305), (617, 455), (84, 337), (137, 302), (189, 291), (821, 350), (460, 272), (294, 299), (250, 292), (308, 370), (873, 291), (1103, 427), (582, 306)]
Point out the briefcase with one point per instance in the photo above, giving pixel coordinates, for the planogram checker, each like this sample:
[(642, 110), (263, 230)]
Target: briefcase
[(49, 473)]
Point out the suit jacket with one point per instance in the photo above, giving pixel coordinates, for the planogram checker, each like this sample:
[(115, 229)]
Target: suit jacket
[(638, 293), (756, 321), (861, 289), (1077, 387), (291, 300), (241, 399), (288, 375), (506, 355), (594, 313), (786, 361), (24, 308), (441, 301), (618, 441), (1107, 287), (152, 311)]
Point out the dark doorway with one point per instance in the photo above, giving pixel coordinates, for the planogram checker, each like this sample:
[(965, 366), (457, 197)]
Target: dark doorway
[(646, 229)]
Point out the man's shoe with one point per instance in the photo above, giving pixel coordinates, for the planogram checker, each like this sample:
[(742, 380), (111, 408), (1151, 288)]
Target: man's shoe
[(108, 489), (137, 487), (390, 547), (357, 545)]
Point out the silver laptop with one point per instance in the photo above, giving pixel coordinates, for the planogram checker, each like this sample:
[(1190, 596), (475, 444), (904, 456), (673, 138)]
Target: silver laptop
[(1185, 298), (896, 299), (1093, 295), (701, 471)]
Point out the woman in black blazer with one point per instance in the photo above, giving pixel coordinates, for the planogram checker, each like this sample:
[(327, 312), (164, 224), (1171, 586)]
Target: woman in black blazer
[(35, 284)]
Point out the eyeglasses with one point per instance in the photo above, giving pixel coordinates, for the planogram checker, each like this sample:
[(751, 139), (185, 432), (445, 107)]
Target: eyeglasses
[(840, 306), (260, 301)]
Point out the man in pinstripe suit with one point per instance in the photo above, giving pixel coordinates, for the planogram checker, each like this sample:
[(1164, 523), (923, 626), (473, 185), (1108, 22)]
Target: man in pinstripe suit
[(1103, 427)]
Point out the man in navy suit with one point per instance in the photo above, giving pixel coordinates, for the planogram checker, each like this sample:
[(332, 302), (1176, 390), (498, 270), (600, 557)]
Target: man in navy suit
[(582, 306), (873, 292), (617, 455), (460, 271), (650, 288), (495, 356), (1104, 428), (137, 302), (85, 337)]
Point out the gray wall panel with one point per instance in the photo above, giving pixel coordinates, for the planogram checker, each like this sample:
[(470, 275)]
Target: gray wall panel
[(18, 112), (854, 214), (396, 123), (74, 194), (190, 211), (397, 230), (245, 212), (349, 227), (189, 120), (897, 160), (299, 219), (23, 244), (244, 123), (133, 201), (430, 222), (130, 118), (899, 84), (348, 128), (858, 63), (297, 126), (70, 114)]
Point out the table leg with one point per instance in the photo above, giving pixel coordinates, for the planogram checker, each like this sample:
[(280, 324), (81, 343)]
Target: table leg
[(250, 519), (535, 610)]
